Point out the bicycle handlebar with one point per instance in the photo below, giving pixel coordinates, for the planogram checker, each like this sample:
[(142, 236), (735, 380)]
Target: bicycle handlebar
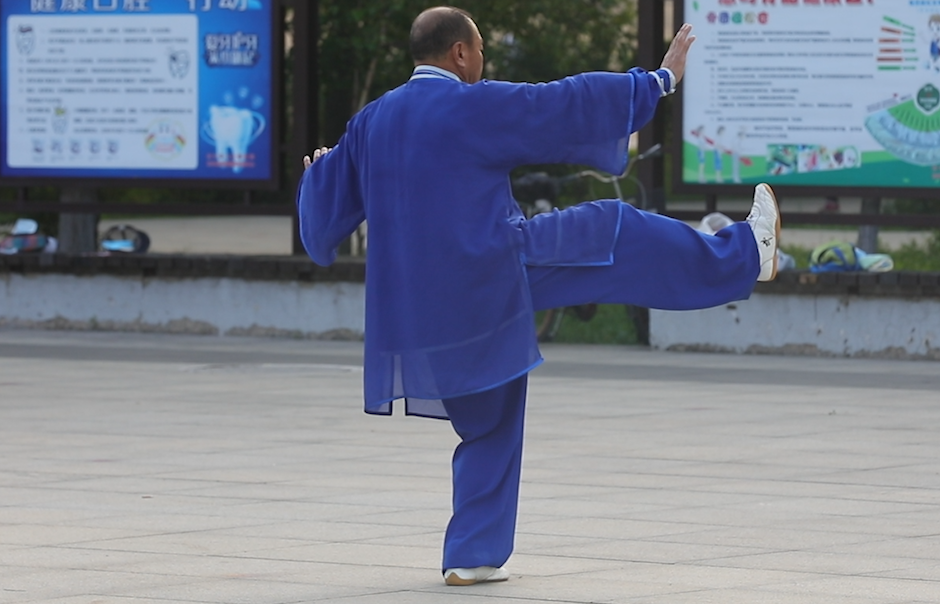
[(539, 185)]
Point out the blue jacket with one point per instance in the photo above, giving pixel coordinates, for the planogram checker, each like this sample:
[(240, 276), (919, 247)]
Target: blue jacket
[(448, 311)]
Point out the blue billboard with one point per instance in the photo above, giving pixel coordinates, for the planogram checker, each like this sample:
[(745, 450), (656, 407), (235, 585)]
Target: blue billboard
[(164, 91)]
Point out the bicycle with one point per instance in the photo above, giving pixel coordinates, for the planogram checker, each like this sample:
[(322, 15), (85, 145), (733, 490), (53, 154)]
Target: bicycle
[(537, 192)]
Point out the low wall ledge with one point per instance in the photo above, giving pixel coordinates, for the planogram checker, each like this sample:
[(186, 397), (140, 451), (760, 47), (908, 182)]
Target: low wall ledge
[(895, 284), (905, 284), (184, 266)]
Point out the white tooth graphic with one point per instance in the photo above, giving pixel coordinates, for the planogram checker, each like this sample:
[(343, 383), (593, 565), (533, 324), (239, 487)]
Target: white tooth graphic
[(233, 129)]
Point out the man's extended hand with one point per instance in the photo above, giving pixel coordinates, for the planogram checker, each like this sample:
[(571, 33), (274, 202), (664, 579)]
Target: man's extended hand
[(316, 155), (678, 51)]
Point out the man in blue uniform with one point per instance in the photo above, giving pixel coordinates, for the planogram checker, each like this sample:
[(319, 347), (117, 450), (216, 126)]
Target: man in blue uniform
[(455, 271)]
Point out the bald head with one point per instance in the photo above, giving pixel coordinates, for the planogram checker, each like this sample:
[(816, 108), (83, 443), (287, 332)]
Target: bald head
[(437, 29)]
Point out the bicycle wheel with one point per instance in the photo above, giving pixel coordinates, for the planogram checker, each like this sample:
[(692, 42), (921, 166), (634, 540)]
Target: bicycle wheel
[(550, 324)]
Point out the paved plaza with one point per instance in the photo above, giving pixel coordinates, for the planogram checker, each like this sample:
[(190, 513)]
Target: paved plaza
[(185, 469)]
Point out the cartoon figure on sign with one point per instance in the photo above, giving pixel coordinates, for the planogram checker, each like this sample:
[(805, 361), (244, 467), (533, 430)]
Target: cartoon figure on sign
[(179, 63), (850, 157), (808, 159), (165, 139), (60, 120), (25, 39), (781, 159), (699, 135), (736, 159), (719, 163)]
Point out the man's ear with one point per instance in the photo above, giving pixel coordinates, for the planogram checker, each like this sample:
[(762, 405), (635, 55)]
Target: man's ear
[(458, 53)]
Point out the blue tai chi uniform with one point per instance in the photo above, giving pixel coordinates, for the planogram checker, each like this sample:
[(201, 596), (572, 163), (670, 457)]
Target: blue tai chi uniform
[(455, 271)]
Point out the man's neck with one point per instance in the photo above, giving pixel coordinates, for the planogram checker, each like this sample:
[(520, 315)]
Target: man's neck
[(425, 70)]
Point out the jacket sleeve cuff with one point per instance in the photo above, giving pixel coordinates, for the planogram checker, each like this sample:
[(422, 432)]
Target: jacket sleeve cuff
[(666, 79)]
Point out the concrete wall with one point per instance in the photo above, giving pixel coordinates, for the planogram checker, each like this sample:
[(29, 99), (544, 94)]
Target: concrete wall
[(210, 305), (855, 326), (894, 315)]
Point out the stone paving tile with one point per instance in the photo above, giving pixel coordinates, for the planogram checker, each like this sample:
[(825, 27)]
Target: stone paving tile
[(915, 570), (772, 538), (638, 550), (818, 562), (361, 554), (764, 596), (875, 588), (261, 481), (597, 586), (92, 584), (242, 590), (345, 531)]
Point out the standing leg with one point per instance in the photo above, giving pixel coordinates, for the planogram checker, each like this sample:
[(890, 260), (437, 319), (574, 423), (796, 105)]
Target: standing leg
[(658, 263), (486, 471)]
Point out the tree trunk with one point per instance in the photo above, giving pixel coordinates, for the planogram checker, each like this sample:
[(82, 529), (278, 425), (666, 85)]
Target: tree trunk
[(868, 234), (78, 233)]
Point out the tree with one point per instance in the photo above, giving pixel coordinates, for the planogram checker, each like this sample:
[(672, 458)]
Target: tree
[(364, 45)]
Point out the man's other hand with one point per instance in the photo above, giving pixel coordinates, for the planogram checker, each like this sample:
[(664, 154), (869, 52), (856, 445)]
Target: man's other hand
[(678, 51), (316, 155)]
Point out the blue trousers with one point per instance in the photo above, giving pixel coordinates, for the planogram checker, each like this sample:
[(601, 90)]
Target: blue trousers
[(658, 263)]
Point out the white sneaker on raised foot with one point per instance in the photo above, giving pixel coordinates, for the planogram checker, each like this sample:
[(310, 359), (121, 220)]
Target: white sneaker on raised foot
[(764, 221), (469, 576)]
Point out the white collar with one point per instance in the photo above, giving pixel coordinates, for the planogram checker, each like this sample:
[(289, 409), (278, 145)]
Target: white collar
[(430, 71)]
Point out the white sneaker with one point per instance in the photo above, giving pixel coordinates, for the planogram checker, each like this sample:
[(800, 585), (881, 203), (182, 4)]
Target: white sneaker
[(469, 576), (764, 220)]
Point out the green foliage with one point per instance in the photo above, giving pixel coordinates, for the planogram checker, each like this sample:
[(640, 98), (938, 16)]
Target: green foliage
[(364, 45), (914, 206), (143, 195), (546, 40), (48, 222), (912, 257), (611, 325), (909, 257), (800, 255)]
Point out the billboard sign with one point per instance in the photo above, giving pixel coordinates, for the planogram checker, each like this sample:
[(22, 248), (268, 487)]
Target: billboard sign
[(168, 91), (825, 96)]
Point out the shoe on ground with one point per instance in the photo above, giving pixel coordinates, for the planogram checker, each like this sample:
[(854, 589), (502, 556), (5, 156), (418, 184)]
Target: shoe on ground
[(480, 574), (764, 221)]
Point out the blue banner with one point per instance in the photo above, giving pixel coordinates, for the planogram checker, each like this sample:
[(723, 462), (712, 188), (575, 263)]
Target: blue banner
[(138, 89)]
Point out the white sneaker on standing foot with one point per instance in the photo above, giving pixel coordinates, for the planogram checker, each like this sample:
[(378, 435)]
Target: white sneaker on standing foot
[(480, 574), (764, 221)]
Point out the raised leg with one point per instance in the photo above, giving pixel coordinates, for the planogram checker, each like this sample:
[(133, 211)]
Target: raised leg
[(658, 263)]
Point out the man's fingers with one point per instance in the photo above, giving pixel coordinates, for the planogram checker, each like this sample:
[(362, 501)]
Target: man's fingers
[(684, 37), (317, 154), (678, 50), (683, 31)]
